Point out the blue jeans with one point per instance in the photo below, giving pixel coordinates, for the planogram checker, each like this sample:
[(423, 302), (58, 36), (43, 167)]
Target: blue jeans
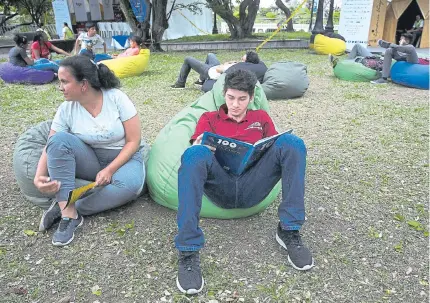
[(45, 64), (200, 174), (201, 68), (96, 57), (69, 158)]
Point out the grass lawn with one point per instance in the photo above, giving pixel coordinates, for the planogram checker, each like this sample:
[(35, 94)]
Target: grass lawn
[(367, 196)]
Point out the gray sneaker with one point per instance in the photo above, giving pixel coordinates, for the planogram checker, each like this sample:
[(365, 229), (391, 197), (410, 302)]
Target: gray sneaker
[(50, 216), (66, 230), (299, 255), (189, 280), (379, 81)]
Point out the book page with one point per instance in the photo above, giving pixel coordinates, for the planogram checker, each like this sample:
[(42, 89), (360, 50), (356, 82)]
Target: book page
[(261, 146)]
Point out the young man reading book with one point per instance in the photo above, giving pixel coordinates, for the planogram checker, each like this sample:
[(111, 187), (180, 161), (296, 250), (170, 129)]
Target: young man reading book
[(200, 173)]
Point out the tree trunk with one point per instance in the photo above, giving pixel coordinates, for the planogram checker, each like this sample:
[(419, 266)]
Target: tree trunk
[(287, 13), (319, 27), (329, 28), (159, 22), (239, 28)]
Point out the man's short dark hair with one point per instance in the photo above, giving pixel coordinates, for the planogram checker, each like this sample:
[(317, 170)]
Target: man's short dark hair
[(408, 37), (242, 80), (252, 57)]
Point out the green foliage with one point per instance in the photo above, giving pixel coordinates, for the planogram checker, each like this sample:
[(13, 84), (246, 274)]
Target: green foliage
[(271, 15)]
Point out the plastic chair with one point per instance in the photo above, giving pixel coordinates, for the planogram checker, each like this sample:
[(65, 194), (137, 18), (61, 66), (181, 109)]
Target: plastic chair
[(126, 29), (116, 29), (102, 29)]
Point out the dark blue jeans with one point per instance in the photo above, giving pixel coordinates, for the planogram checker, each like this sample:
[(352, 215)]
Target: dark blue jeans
[(200, 174)]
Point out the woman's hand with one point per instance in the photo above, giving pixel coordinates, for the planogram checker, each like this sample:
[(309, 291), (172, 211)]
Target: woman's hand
[(104, 177), (46, 186)]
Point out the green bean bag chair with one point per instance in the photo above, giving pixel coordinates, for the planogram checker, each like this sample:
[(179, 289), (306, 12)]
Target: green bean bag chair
[(170, 144), (349, 70), (285, 80), (26, 155)]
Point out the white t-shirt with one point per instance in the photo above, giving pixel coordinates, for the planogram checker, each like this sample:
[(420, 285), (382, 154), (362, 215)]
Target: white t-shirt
[(104, 131), (214, 74), (89, 41)]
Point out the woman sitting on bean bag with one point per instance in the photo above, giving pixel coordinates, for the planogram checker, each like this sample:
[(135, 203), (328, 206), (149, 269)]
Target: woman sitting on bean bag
[(41, 53), (19, 68), (17, 54), (95, 135)]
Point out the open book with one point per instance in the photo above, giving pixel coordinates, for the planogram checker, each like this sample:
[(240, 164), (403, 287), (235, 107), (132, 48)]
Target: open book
[(236, 156), (77, 193)]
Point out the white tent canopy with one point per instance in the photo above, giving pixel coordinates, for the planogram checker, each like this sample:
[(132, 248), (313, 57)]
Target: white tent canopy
[(179, 26)]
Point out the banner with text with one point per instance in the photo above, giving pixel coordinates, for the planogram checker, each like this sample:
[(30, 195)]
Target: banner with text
[(80, 11), (139, 9), (108, 10), (62, 14), (354, 21)]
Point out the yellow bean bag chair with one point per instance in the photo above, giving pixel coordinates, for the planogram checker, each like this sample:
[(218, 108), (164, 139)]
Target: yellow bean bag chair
[(324, 45), (129, 66)]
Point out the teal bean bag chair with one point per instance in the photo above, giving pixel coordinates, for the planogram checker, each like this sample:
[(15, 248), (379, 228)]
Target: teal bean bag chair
[(26, 155), (349, 70), (285, 80), (170, 144)]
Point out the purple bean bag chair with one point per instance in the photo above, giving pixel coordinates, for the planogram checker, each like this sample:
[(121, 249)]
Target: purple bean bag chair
[(16, 74)]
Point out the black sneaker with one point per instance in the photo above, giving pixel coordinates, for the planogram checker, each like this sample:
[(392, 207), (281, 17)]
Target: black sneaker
[(189, 280), (178, 86), (199, 82), (66, 230), (50, 216), (383, 43), (299, 255)]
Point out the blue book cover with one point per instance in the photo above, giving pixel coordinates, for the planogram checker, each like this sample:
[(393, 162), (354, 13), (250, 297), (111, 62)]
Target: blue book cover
[(236, 156)]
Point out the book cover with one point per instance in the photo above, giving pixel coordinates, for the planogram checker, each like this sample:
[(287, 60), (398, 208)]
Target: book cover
[(77, 193), (236, 156)]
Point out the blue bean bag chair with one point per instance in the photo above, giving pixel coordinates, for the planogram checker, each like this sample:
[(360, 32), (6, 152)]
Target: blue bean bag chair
[(412, 75), (16, 74)]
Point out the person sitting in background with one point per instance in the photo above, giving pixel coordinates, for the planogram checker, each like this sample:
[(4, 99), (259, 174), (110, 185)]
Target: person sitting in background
[(134, 49), (88, 41), (17, 54), (417, 30), (405, 51), (45, 33), (210, 69), (67, 32), (42, 48)]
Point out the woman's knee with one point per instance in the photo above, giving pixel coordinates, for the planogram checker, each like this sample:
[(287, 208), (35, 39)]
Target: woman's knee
[(58, 140)]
